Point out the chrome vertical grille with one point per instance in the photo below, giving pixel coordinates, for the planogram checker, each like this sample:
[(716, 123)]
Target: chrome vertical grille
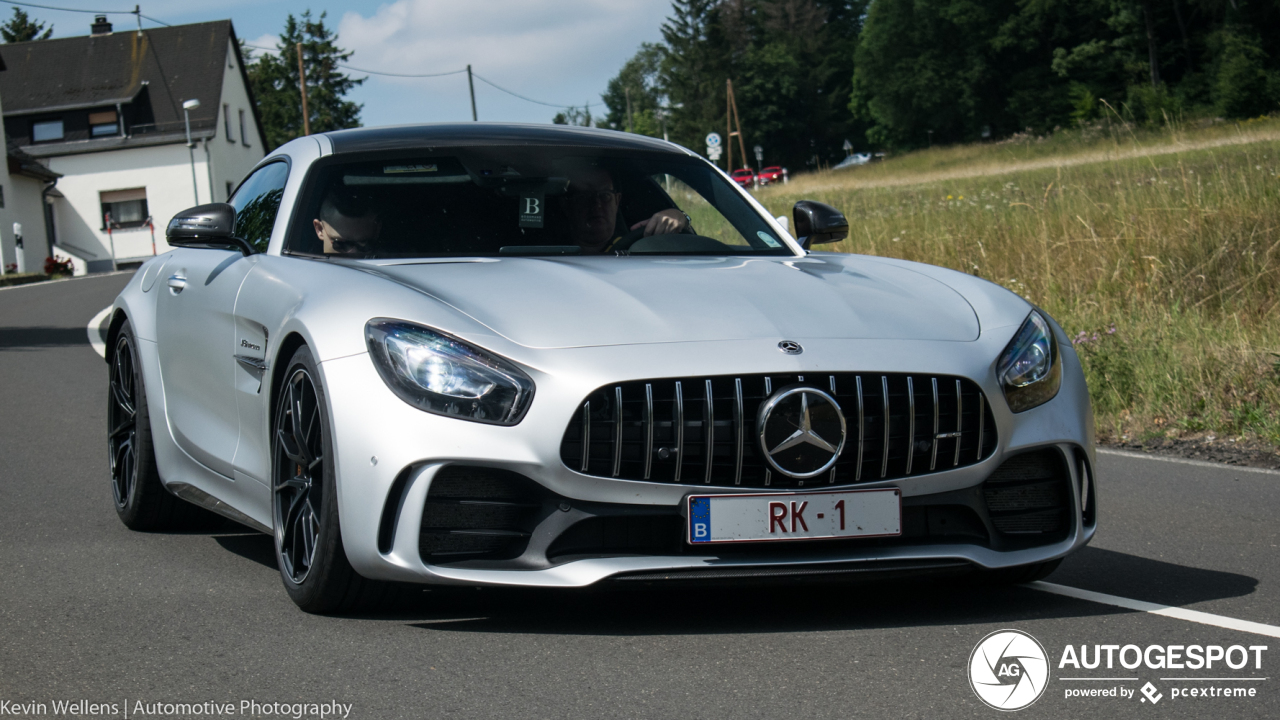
[(703, 430)]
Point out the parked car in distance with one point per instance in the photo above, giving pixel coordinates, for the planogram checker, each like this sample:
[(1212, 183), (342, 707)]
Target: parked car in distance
[(746, 177), (772, 175)]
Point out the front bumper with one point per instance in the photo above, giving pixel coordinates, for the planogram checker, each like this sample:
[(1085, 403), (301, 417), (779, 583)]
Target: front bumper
[(388, 455)]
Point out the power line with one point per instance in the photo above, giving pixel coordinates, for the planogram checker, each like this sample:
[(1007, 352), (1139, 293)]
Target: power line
[(441, 74), (89, 12), (529, 99), (401, 75), (50, 7)]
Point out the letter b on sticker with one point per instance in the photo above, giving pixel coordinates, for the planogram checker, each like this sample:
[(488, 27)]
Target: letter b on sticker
[(531, 206)]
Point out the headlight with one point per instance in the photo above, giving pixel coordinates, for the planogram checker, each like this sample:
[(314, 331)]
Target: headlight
[(1030, 371), (441, 374)]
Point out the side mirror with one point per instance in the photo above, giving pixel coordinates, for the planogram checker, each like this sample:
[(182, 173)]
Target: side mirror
[(206, 226), (819, 223)]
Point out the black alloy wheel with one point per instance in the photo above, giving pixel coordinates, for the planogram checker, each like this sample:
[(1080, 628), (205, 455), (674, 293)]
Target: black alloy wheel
[(309, 552), (299, 475), (122, 422), (141, 500)]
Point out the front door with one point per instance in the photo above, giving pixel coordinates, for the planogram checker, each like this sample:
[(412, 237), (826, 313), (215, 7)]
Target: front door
[(196, 333)]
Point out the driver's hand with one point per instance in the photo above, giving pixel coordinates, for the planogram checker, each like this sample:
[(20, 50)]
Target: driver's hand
[(666, 222)]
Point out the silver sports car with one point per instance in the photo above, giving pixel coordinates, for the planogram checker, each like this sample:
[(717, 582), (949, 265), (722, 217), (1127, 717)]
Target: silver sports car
[(549, 356)]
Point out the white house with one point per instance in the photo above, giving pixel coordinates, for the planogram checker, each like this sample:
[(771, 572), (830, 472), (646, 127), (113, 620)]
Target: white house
[(105, 113)]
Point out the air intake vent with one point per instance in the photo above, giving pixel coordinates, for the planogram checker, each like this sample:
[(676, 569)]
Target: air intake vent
[(1029, 495), (478, 514), (702, 431)]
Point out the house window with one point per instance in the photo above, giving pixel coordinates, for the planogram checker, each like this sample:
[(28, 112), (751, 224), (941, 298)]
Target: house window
[(226, 120), (46, 130), (244, 138), (1, 197), (103, 124), (124, 208)]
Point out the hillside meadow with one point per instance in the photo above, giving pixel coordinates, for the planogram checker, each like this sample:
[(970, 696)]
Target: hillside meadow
[(1158, 252)]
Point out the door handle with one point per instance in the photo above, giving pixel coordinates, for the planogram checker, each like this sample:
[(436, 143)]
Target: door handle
[(177, 283)]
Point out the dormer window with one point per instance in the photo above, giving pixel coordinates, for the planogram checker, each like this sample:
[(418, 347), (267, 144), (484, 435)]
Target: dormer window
[(46, 130), (104, 124)]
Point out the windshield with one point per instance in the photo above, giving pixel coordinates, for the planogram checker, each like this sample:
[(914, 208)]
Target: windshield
[(494, 201)]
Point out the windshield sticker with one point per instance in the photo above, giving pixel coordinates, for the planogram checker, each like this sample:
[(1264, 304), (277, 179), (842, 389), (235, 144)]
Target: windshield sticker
[(532, 203), (397, 169), (768, 239)]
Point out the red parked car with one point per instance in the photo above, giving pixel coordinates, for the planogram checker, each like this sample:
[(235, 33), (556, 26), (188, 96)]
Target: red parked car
[(746, 177), (772, 175)]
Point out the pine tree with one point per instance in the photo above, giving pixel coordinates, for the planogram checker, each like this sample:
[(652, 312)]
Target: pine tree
[(692, 71), (22, 28), (274, 77)]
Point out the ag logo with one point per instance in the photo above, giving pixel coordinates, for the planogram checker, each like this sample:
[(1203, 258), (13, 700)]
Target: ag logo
[(1008, 670)]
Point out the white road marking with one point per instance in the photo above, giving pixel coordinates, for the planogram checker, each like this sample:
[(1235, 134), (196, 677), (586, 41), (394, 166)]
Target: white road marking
[(1194, 616), (44, 283), (95, 337), (1185, 461)]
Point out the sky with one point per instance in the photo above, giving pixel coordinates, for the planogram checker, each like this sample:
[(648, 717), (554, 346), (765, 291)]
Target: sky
[(561, 52)]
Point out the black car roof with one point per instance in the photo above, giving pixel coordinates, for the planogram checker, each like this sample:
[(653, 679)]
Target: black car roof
[(400, 137)]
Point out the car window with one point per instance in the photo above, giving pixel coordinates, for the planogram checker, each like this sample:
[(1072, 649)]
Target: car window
[(495, 201), (257, 202), (704, 218)]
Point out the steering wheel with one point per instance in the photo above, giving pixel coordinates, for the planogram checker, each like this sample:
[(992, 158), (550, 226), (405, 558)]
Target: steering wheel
[(626, 241)]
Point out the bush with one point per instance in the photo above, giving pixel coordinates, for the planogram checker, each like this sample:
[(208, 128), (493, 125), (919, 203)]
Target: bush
[(54, 266), (1242, 87)]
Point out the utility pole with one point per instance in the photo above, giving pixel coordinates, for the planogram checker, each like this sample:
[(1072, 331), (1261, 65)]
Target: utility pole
[(728, 125), (302, 85), (471, 84), (731, 119), (137, 11)]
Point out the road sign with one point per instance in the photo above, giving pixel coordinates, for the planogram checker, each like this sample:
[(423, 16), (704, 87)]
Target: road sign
[(759, 154), (713, 140), (848, 146), (713, 153)]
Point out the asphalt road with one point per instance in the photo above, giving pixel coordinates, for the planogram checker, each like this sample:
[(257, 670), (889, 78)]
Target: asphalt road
[(91, 611)]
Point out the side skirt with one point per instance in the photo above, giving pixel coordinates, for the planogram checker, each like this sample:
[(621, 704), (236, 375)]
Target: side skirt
[(196, 496)]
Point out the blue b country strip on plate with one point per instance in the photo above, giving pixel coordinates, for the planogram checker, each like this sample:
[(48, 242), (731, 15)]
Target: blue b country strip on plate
[(764, 517), (700, 519)]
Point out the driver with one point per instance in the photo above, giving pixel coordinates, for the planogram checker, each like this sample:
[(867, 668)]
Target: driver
[(593, 212), (347, 224)]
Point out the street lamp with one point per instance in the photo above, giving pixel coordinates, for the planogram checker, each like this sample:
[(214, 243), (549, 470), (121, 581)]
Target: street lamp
[(187, 107)]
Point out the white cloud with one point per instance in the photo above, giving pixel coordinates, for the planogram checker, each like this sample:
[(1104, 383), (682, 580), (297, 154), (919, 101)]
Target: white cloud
[(559, 51), (267, 40)]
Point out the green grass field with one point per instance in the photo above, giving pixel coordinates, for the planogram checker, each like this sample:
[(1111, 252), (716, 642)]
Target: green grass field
[(1158, 252)]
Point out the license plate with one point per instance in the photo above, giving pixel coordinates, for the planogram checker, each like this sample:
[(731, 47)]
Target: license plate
[(794, 516)]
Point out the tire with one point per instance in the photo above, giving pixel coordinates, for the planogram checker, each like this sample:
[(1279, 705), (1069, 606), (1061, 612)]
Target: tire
[(304, 506), (1020, 574), (139, 496)]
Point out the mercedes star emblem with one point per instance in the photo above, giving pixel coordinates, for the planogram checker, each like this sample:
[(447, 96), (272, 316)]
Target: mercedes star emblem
[(790, 347), (802, 431)]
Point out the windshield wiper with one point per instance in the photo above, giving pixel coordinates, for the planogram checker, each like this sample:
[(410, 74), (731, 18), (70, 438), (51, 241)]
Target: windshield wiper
[(540, 250)]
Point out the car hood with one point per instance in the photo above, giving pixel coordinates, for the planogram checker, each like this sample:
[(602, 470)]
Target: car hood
[(593, 301)]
